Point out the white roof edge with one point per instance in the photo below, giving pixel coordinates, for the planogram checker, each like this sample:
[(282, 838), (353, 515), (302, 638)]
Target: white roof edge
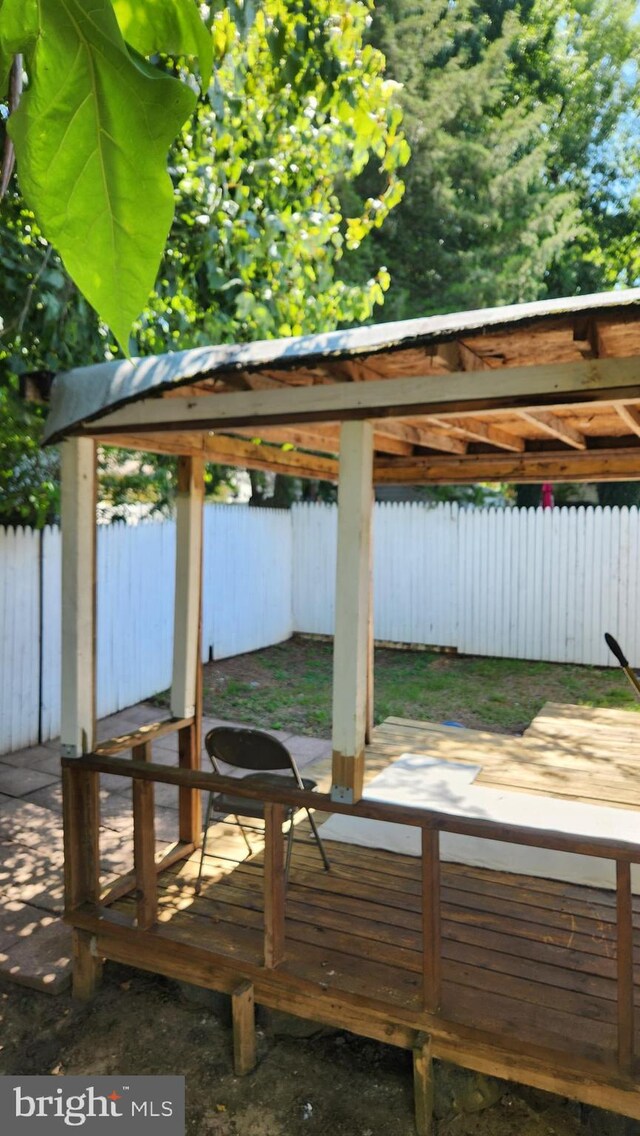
[(87, 393)]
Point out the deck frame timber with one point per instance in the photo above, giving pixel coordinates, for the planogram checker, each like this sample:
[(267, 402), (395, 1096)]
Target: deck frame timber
[(105, 932)]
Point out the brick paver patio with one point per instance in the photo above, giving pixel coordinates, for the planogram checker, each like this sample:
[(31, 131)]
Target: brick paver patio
[(34, 942)]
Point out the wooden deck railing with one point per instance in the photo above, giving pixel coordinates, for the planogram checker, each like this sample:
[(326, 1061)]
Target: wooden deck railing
[(81, 819)]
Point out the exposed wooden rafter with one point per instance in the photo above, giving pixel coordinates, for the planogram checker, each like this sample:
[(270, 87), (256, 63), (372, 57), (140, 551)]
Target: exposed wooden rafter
[(555, 427), (630, 415), (586, 338), (478, 431), (585, 465)]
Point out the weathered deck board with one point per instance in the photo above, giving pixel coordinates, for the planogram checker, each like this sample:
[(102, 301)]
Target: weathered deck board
[(529, 965), (510, 967)]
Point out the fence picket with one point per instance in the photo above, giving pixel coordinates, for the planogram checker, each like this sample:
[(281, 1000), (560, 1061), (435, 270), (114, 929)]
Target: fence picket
[(519, 583)]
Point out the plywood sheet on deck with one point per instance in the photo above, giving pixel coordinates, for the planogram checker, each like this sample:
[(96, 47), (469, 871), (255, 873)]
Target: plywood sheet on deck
[(583, 757)]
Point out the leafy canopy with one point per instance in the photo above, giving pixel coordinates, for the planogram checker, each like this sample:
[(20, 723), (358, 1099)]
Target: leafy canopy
[(298, 105)]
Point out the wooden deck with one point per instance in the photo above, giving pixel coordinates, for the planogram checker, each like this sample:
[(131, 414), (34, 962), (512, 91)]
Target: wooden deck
[(532, 980)]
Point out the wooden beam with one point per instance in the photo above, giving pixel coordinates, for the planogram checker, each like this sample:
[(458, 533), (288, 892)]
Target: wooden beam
[(481, 432), (243, 1012), (351, 638), (594, 380), (144, 848), (624, 963), (448, 356), (438, 439), (325, 438), (555, 427), (630, 415), (274, 885), (189, 502), (78, 514), (586, 339), (189, 800), (81, 828), (423, 1087), (251, 455), (584, 465), (431, 932)]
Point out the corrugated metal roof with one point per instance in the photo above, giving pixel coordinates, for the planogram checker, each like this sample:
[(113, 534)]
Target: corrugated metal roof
[(88, 393)]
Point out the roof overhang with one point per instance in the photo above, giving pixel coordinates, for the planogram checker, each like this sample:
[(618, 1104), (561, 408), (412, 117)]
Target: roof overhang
[(551, 385)]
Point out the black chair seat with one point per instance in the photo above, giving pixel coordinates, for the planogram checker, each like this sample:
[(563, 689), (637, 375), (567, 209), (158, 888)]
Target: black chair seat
[(244, 748), (243, 806)]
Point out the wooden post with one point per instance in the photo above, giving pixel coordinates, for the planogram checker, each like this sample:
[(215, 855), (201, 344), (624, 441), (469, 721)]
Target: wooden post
[(186, 689), (423, 1084), (189, 503), (431, 933), (351, 641), (87, 966), (369, 717), (81, 819), (78, 515), (244, 1029), (144, 854), (189, 809), (274, 885), (624, 939)]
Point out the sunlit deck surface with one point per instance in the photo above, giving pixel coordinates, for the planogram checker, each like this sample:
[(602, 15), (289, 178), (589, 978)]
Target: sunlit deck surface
[(528, 964), (523, 958)]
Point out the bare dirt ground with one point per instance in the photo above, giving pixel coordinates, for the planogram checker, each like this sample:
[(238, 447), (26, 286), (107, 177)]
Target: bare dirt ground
[(309, 1081)]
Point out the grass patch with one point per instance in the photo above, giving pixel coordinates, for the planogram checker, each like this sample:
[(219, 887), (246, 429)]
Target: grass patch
[(288, 687)]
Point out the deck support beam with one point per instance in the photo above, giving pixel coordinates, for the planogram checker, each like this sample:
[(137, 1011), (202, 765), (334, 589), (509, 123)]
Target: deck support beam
[(186, 687), (244, 1029), (87, 965), (423, 1088), (78, 514), (351, 646)]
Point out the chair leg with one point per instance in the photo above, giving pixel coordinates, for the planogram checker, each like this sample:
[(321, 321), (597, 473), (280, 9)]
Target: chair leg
[(241, 827), (289, 851), (204, 842), (314, 827)]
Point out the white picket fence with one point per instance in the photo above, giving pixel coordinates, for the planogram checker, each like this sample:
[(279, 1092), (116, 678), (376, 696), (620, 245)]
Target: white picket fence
[(525, 584)]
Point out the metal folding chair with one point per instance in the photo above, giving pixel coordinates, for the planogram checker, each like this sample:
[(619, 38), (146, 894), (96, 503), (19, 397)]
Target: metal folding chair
[(243, 748)]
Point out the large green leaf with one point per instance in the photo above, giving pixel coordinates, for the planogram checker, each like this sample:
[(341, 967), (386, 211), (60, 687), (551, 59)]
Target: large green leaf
[(170, 26), (18, 24), (91, 137)]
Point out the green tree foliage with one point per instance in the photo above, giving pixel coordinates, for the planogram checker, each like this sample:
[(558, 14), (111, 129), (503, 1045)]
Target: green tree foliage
[(522, 183), (296, 105)]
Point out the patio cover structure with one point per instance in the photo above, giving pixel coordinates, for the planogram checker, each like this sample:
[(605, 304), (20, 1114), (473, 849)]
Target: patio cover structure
[(541, 391)]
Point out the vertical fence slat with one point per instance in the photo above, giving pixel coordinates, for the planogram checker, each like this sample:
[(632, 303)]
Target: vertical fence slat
[(516, 583)]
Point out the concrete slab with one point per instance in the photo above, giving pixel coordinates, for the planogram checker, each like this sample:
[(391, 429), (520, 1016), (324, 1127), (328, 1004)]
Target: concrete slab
[(30, 824), (31, 878), (306, 749), (17, 782), (39, 955), (30, 757)]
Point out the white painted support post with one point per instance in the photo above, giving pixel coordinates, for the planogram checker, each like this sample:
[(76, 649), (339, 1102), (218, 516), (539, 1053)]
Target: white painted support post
[(186, 638), (353, 599), (78, 515)]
